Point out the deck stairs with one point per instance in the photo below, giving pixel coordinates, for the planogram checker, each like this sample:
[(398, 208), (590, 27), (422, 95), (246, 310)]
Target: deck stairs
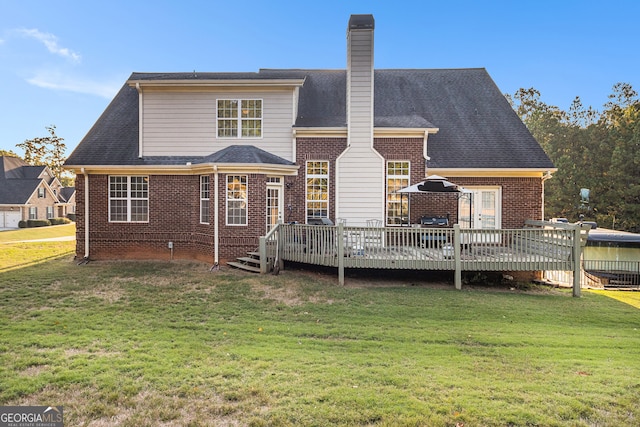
[(250, 263)]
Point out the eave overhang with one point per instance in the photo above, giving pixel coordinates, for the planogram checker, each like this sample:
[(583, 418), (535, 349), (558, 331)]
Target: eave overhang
[(493, 172), (186, 169), (341, 132), (217, 83)]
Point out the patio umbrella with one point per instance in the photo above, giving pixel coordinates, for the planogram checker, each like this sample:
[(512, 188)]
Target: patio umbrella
[(434, 184)]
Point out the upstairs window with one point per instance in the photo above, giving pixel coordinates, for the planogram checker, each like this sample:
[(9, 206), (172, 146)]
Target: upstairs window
[(128, 198), (239, 118), (41, 192)]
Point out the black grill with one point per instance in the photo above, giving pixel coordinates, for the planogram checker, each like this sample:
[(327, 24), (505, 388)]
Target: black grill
[(434, 221)]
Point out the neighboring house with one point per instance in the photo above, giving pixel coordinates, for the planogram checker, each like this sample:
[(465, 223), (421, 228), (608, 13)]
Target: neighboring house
[(202, 164), (31, 192)]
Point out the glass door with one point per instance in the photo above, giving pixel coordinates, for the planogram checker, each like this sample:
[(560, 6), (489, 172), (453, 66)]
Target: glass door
[(274, 202), (481, 209)]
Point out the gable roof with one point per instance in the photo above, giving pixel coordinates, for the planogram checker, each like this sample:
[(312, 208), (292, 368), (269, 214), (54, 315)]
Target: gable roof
[(66, 193), (477, 126)]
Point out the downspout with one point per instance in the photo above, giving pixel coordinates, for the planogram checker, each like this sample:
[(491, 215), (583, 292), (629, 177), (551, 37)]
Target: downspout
[(86, 215), (544, 178), (216, 259), (424, 152)]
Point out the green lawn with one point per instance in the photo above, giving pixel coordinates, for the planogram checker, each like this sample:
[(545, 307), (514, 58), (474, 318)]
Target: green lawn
[(158, 343), (38, 233)]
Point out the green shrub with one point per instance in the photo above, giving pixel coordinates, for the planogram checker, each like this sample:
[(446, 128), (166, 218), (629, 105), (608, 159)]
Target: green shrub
[(22, 224), (71, 216), (59, 221), (38, 223)]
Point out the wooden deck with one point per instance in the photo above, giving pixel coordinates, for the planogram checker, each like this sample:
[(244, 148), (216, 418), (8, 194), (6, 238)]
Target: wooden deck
[(540, 246)]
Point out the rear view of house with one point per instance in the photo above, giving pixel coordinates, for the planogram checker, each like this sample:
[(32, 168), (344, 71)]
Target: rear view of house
[(200, 165)]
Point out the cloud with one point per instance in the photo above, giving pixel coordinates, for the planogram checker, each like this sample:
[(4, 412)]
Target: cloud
[(58, 81), (51, 43)]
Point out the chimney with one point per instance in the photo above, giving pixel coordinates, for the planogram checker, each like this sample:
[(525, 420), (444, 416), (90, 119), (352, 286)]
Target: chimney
[(360, 169), (360, 79)]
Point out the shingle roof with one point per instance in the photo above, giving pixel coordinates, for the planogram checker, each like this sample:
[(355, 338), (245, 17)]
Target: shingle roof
[(477, 126), (17, 191), (66, 193)]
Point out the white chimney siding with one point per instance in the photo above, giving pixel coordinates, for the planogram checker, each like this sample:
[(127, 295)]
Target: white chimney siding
[(360, 180)]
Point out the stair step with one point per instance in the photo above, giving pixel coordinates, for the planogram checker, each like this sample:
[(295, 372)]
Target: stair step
[(244, 267), (249, 260), (254, 254)]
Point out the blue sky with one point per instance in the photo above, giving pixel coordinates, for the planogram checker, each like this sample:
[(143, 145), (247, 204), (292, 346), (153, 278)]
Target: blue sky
[(61, 62)]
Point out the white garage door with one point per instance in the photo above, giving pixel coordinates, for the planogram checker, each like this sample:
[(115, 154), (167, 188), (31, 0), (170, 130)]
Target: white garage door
[(9, 219)]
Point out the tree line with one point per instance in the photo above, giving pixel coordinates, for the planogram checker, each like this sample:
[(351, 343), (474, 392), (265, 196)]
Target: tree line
[(598, 151)]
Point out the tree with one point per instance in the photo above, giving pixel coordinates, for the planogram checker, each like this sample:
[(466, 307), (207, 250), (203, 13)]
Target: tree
[(598, 151), (8, 153), (47, 150)]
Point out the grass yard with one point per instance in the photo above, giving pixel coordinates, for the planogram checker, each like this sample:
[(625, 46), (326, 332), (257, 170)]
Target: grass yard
[(158, 343), (22, 234)]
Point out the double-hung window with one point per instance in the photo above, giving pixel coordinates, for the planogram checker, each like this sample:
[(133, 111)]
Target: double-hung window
[(397, 203), (236, 200), (49, 212), (33, 212), (317, 203), (204, 199), (41, 192), (239, 118), (128, 198)]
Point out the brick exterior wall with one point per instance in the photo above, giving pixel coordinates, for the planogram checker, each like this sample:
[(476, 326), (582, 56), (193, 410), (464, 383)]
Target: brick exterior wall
[(174, 206), (320, 149), (174, 216), (41, 203)]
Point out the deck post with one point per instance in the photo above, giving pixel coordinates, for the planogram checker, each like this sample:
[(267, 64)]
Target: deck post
[(576, 261), (263, 255), (340, 242), (457, 256)]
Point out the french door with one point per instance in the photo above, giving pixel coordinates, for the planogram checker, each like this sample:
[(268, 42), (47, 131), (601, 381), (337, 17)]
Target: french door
[(481, 209), (274, 202)]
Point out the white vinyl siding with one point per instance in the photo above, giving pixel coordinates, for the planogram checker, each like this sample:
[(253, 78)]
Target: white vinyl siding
[(185, 123), (360, 180)]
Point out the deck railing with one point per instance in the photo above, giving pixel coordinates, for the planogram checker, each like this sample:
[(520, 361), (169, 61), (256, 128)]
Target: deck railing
[(540, 246)]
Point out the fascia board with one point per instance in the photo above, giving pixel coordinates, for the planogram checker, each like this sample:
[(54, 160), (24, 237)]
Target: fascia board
[(217, 83), (489, 172), (187, 169)]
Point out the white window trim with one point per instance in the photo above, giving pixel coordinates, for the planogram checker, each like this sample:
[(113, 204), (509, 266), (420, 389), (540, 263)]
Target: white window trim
[(50, 212), (306, 186), (246, 201), (240, 119), (41, 193), (205, 199), (407, 177), (34, 210), (128, 199)]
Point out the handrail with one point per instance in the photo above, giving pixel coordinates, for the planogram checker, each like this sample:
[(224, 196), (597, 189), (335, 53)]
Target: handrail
[(541, 246)]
